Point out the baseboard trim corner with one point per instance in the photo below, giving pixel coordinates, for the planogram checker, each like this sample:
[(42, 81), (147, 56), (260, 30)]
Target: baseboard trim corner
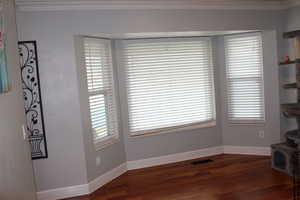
[(79, 190), (107, 177)]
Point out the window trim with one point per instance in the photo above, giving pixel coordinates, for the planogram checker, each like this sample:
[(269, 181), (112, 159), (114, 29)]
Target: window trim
[(241, 122), (172, 129), (84, 95), (175, 129)]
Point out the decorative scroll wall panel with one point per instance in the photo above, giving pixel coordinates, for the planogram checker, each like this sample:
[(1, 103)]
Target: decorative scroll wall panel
[(33, 102)]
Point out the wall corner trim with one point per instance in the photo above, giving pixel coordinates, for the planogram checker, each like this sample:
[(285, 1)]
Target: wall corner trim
[(97, 183), (79, 190), (107, 177)]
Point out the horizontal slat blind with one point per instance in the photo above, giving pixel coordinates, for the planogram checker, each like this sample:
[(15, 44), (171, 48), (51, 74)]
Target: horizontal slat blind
[(99, 74), (244, 61), (98, 116), (169, 83)]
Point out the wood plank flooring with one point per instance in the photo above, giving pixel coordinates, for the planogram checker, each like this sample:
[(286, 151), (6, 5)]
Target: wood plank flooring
[(228, 177)]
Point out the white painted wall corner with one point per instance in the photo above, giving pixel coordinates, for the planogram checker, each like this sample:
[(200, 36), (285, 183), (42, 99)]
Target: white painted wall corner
[(107, 177), (84, 189)]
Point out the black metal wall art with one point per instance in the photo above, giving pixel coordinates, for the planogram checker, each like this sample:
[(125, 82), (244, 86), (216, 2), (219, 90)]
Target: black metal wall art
[(33, 102)]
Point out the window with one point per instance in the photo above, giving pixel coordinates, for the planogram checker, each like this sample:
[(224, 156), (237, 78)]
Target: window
[(169, 84), (100, 86), (245, 85)]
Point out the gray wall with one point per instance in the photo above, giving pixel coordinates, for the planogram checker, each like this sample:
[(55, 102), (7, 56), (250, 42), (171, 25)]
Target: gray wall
[(71, 154), (16, 173), (66, 163), (54, 33)]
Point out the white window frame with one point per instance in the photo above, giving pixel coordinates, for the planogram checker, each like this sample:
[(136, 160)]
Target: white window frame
[(174, 129), (241, 121), (85, 94)]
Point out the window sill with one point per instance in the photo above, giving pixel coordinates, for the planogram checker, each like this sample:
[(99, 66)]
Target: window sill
[(173, 129), (105, 142)]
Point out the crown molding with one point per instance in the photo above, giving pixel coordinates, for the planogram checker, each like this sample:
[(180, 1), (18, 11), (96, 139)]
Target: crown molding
[(51, 5)]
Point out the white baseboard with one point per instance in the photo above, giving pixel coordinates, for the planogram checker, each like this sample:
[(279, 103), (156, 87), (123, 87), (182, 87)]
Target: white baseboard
[(150, 162), (84, 189), (65, 192), (107, 177), (244, 150), (92, 186)]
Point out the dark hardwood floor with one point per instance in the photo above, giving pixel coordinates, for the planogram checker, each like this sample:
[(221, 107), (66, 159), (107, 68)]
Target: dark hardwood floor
[(228, 177)]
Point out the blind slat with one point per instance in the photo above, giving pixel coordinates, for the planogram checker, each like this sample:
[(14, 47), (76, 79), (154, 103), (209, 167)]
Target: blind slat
[(244, 70), (169, 83), (99, 79)]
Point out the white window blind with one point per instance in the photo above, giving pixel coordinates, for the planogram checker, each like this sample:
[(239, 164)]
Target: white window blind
[(99, 75), (245, 85), (169, 83)]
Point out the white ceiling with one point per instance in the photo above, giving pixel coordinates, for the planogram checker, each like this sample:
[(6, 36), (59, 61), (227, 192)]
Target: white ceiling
[(32, 5)]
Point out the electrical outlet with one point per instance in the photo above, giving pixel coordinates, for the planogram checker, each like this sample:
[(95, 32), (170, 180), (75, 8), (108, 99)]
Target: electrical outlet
[(24, 132), (98, 160), (261, 134)]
